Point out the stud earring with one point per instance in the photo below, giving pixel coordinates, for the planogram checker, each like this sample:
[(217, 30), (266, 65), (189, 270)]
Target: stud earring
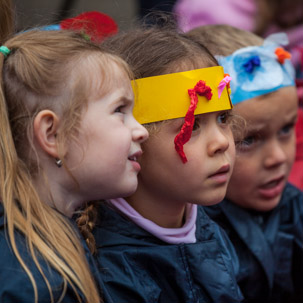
[(58, 162)]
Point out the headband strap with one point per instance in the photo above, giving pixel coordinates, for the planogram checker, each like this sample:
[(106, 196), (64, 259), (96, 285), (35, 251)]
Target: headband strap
[(4, 50), (166, 97), (259, 70)]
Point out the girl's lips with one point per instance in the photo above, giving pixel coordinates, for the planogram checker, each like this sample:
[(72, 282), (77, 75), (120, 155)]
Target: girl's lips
[(272, 189), (221, 175), (136, 166), (134, 158), (222, 170)]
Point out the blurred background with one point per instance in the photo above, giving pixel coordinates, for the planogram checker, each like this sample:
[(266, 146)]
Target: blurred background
[(31, 13)]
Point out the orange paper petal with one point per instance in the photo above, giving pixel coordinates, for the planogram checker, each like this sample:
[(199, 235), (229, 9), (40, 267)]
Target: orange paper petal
[(282, 54)]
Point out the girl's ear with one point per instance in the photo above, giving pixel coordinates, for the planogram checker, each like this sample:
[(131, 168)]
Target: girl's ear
[(46, 125)]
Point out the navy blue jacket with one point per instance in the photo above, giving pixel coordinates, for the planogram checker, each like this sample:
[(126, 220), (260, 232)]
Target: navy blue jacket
[(15, 285), (269, 246), (138, 267)]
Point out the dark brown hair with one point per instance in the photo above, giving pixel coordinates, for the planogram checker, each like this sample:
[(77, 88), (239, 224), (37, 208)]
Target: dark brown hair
[(155, 51)]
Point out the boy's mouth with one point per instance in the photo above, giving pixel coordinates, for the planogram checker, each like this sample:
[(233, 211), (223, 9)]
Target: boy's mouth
[(272, 183), (272, 189)]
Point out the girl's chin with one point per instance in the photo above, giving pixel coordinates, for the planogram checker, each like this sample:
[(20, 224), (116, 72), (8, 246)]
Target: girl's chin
[(210, 201)]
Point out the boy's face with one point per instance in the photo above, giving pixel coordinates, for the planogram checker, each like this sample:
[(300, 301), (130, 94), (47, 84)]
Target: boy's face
[(265, 156), (203, 179)]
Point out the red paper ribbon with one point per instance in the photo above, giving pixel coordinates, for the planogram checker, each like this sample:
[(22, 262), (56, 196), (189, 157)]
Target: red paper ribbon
[(185, 134)]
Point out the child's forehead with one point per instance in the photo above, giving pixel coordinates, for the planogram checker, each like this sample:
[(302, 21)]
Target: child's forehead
[(272, 109)]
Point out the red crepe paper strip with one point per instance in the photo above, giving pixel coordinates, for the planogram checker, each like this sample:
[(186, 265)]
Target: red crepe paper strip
[(185, 134), (282, 54), (95, 25)]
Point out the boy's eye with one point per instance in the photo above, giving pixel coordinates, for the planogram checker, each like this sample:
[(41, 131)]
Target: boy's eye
[(246, 143), (248, 140), (287, 129)]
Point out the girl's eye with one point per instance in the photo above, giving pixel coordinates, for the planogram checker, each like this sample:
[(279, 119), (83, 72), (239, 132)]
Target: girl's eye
[(223, 118), (120, 109), (196, 124)]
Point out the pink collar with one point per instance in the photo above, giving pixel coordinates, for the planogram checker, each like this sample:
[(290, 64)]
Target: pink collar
[(185, 234)]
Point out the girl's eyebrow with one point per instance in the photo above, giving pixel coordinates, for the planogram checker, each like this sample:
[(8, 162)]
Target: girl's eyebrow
[(128, 100), (125, 100)]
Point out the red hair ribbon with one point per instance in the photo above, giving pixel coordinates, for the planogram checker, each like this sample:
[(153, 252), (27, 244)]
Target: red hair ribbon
[(97, 26), (282, 54), (185, 133)]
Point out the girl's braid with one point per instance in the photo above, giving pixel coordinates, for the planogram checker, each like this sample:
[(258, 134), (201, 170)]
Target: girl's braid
[(86, 223)]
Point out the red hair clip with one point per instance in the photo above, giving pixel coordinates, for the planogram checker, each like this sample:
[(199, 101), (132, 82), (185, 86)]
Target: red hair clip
[(185, 133)]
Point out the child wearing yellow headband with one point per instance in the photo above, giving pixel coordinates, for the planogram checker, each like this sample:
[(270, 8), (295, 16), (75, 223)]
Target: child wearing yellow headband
[(158, 245), (262, 213)]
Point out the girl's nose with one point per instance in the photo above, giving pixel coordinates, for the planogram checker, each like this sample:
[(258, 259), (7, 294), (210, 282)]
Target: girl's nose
[(140, 133), (218, 143)]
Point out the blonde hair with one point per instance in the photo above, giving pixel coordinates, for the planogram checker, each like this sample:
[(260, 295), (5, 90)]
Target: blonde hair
[(222, 39), (44, 71)]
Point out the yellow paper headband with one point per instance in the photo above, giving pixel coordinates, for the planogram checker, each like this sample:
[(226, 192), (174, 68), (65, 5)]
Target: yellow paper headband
[(166, 97)]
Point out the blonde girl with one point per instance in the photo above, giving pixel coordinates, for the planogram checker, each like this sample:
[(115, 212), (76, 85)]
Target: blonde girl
[(67, 137)]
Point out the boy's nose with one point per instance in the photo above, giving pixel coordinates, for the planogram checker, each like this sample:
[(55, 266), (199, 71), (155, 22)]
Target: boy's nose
[(275, 155)]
